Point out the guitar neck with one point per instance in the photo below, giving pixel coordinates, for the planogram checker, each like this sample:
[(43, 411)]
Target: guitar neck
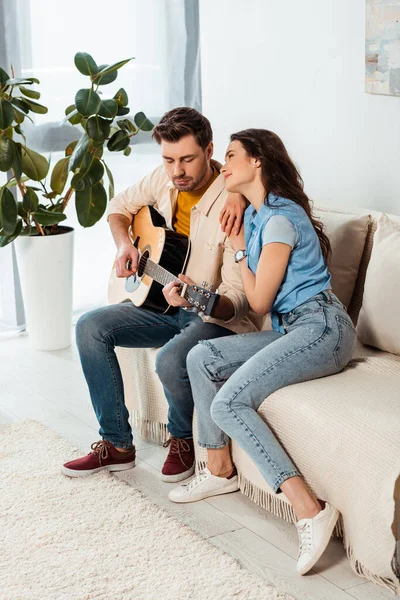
[(202, 299), (156, 272)]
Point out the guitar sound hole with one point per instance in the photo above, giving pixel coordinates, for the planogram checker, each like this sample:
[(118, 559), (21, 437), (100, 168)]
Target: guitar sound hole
[(142, 263)]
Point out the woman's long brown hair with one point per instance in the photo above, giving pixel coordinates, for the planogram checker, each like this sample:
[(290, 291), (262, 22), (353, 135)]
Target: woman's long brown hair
[(279, 174)]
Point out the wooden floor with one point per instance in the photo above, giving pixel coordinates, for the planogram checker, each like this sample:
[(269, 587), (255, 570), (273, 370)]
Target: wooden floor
[(49, 387)]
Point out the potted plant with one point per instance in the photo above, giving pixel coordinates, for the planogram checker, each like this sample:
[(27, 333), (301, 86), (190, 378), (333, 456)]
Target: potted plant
[(36, 218)]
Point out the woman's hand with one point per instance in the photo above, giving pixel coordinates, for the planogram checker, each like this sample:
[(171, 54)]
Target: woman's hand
[(238, 241), (231, 215)]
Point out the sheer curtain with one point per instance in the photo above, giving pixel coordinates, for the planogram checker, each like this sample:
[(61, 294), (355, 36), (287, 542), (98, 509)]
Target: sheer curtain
[(40, 38)]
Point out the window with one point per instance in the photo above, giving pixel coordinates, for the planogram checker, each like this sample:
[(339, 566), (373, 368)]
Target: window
[(41, 38)]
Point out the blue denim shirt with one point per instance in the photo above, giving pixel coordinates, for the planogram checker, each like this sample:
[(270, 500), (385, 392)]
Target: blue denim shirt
[(306, 274)]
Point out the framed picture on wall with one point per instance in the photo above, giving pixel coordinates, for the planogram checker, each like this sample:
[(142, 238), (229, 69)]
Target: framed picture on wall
[(382, 47)]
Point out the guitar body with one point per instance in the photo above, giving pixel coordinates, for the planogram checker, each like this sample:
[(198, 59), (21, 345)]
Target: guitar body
[(164, 247)]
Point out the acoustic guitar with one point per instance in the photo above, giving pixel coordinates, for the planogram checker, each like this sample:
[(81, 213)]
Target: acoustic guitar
[(163, 255)]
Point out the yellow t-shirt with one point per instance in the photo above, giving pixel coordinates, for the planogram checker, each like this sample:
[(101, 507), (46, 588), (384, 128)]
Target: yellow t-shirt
[(184, 204)]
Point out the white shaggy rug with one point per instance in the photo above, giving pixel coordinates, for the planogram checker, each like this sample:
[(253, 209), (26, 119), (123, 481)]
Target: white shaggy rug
[(97, 537)]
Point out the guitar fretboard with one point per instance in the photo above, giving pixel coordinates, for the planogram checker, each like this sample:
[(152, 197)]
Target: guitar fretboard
[(159, 274), (162, 276)]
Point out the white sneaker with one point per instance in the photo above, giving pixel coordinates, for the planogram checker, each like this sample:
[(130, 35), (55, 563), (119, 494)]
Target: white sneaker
[(314, 536), (203, 486)]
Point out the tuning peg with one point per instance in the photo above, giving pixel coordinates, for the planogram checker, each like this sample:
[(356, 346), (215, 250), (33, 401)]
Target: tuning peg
[(210, 287), (204, 284)]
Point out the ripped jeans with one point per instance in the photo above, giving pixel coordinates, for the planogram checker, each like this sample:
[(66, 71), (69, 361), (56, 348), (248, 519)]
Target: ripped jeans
[(231, 377)]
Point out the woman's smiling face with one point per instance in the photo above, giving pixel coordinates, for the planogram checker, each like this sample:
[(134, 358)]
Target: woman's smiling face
[(239, 169)]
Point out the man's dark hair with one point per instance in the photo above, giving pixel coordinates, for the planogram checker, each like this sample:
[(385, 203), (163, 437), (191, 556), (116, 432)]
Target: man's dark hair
[(180, 122)]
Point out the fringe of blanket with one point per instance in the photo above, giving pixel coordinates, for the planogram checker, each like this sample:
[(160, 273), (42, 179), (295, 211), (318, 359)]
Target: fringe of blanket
[(150, 430), (284, 510)]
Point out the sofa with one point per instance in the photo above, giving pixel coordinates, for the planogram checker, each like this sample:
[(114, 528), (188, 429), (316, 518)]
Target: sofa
[(342, 431)]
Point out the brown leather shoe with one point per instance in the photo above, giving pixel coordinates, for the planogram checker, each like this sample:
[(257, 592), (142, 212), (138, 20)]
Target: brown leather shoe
[(179, 463), (104, 457)]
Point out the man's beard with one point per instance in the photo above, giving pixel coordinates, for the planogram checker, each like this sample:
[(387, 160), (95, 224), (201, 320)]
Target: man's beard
[(190, 183)]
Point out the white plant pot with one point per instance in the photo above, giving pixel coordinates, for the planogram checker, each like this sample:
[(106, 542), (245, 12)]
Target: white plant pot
[(45, 264)]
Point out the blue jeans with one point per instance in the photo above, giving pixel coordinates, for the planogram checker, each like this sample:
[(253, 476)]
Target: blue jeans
[(231, 378), (98, 332)]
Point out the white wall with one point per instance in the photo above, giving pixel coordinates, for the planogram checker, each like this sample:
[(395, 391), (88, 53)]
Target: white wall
[(297, 67)]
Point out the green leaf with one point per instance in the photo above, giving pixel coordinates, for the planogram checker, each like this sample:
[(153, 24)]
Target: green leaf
[(30, 201), (4, 77), (6, 153), (127, 151), (19, 81), (33, 164), (110, 182), (36, 107), (59, 175), (108, 109), (91, 204), (143, 122), (98, 128), (32, 80), (17, 162), (127, 125), (21, 211), (18, 116), (122, 111), (121, 97), (21, 104), (106, 78), (110, 69), (87, 102), (9, 132), (29, 93), (70, 148), (72, 115), (7, 239), (118, 141), (85, 63), (90, 173), (6, 114), (79, 152), (21, 110), (8, 211), (47, 217)]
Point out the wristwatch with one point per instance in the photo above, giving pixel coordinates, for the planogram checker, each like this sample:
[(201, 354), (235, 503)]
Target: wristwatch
[(240, 255)]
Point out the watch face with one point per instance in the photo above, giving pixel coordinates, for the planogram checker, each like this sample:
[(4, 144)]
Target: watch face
[(239, 255)]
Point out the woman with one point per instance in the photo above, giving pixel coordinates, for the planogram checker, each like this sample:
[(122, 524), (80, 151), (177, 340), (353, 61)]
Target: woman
[(283, 254)]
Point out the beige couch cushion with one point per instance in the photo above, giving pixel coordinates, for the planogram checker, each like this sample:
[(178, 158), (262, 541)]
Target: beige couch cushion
[(347, 233), (378, 323)]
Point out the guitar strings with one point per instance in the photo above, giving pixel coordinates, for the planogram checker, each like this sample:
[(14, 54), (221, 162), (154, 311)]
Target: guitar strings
[(158, 273)]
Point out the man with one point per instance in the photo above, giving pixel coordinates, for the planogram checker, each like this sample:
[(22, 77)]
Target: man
[(188, 191)]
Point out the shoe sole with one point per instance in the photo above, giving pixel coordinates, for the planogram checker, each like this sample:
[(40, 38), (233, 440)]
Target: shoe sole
[(197, 498), (111, 468), (179, 476), (327, 537)]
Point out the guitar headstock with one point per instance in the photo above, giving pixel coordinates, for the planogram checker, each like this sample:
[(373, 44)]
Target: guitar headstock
[(202, 298)]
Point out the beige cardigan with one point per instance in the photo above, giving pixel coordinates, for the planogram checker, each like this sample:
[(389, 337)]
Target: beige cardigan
[(212, 255)]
